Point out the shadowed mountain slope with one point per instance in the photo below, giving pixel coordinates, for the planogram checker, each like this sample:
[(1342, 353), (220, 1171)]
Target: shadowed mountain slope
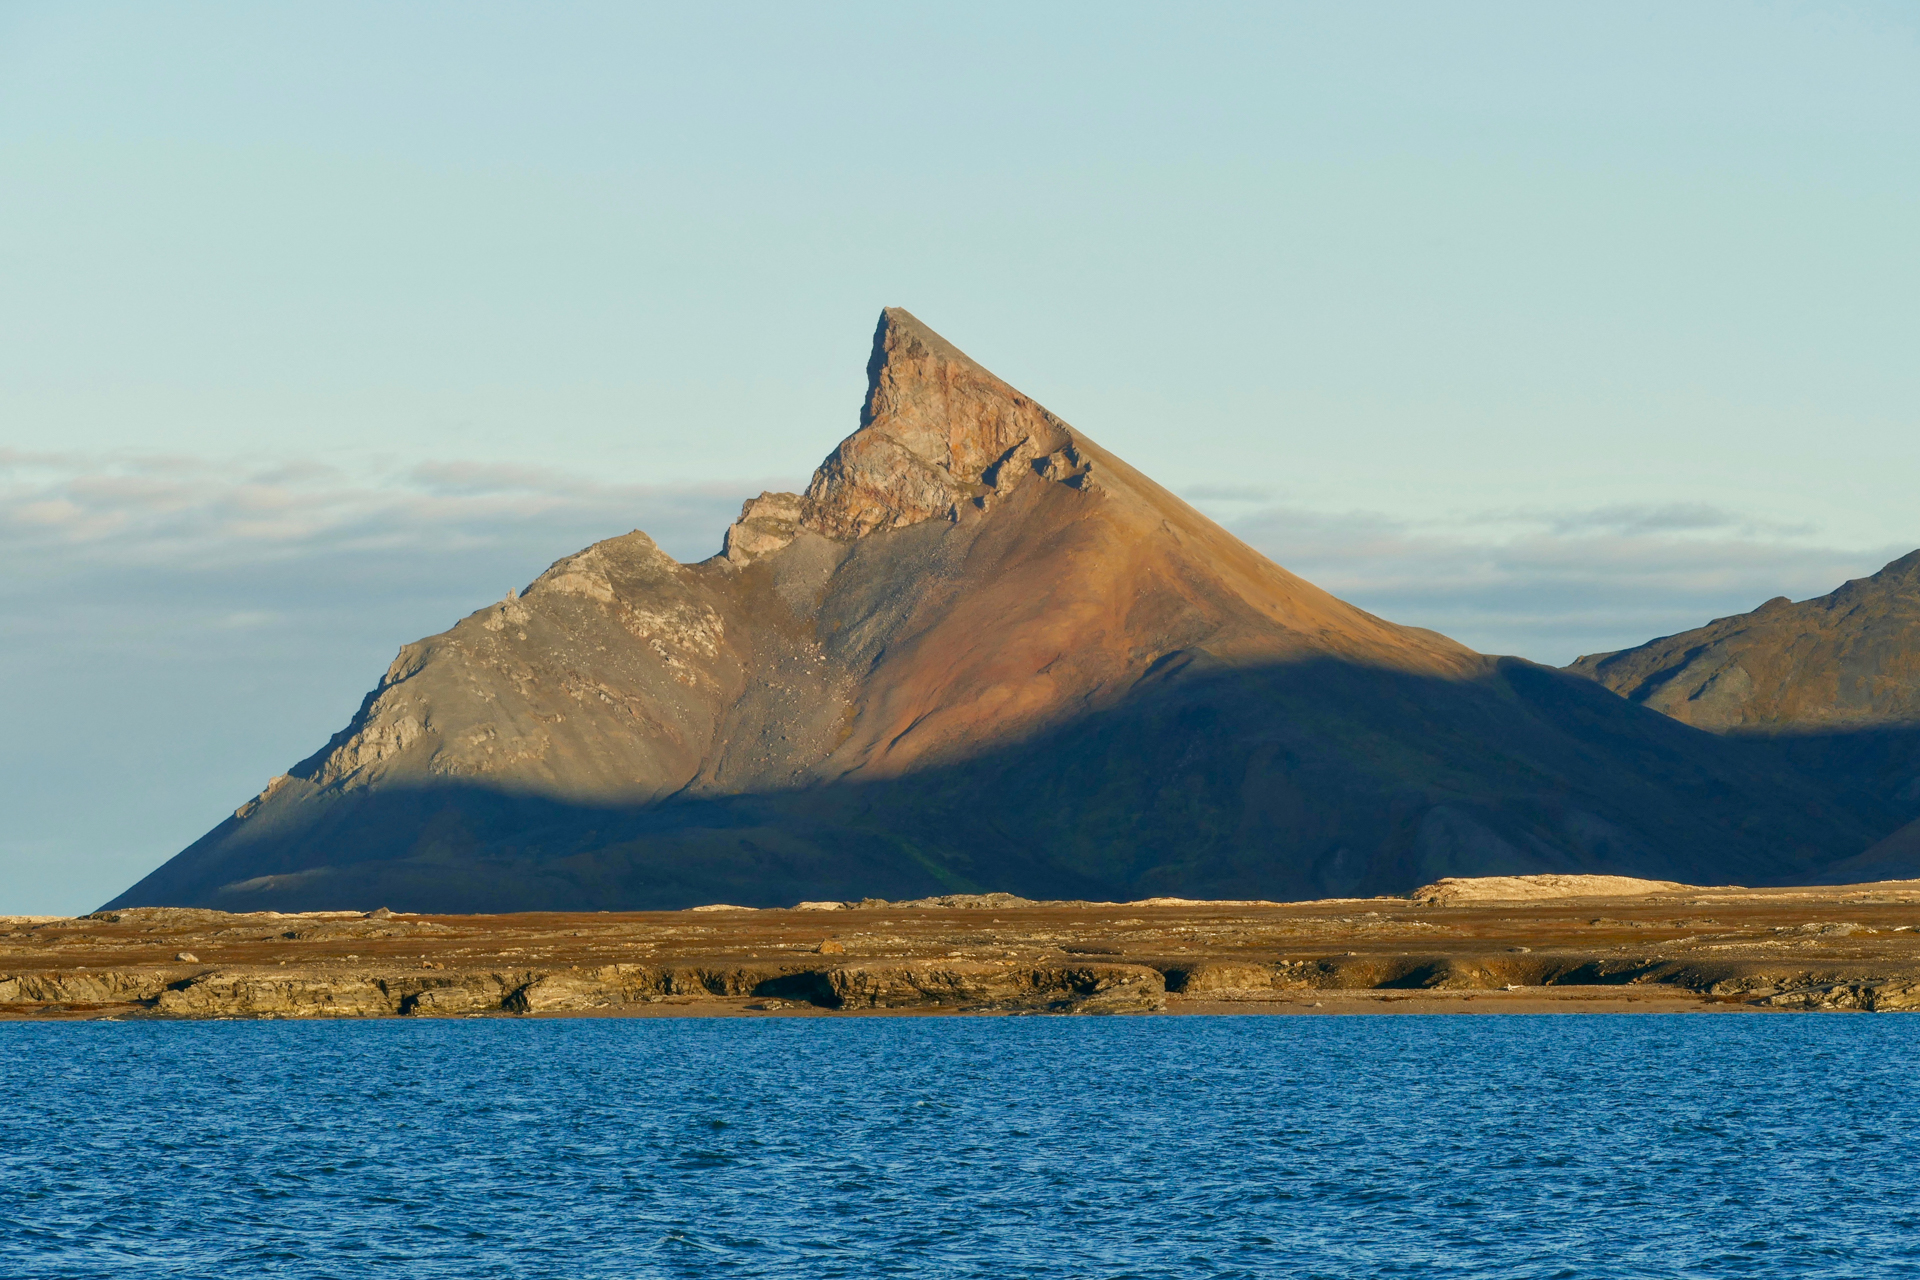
[(979, 652), (1832, 683)]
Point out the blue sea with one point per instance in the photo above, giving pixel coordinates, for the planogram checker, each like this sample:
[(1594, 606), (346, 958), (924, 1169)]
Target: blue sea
[(1551, 1146)]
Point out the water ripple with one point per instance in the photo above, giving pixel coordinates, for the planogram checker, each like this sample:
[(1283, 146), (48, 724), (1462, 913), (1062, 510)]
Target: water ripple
[(1542, 1147)]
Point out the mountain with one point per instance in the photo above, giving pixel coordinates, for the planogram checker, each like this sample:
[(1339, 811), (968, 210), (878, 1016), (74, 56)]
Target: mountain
[(1849, 659), (978, 653), (1833, 684)]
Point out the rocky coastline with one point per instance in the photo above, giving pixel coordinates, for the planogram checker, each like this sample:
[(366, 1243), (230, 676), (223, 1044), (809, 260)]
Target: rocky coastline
[(1517, 944)]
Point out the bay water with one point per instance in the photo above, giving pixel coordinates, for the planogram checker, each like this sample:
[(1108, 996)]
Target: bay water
[(1510, 1146)]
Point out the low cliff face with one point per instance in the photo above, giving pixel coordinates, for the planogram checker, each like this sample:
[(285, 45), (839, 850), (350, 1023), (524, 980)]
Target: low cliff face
[(1512, 945), (979, 652)]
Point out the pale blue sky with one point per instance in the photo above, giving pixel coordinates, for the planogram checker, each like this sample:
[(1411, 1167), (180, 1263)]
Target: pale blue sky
[(1552, 327)]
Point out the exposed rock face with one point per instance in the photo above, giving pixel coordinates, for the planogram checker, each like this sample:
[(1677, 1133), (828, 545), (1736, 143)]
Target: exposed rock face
[(1847, 659), (1086, 989), (978, 653), (938, 433)]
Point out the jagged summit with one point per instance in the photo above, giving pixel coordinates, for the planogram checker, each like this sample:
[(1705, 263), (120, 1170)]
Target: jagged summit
[(979, 653), (938, 433)]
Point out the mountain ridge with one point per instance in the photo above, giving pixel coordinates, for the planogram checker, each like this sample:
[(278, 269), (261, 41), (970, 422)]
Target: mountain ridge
[(978, 652), (1832, 684), (1844, 658)]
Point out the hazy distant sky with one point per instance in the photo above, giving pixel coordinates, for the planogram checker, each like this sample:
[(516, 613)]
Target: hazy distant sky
[(1553, 327)]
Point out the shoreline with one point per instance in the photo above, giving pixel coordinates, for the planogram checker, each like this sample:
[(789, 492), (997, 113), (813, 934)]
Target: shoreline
[(1447, 949), (1574, 1001)]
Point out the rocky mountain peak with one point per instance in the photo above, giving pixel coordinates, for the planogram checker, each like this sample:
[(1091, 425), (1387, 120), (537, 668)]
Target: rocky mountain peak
[(980, 653), (938, 432)]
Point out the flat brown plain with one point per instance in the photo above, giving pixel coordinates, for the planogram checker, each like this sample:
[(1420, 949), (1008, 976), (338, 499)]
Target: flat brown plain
[(1851, 947)]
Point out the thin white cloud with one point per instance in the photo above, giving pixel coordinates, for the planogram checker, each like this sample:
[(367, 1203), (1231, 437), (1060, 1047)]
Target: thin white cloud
[(172, 541), (171, 512), (1554, 584)]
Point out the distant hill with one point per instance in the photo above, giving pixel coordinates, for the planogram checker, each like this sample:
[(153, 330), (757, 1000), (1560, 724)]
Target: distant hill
[(980, 653), (1833, 684), (1848, 659)]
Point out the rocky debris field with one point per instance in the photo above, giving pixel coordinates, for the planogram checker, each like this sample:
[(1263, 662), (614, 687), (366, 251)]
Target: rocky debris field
[(1657, 946)]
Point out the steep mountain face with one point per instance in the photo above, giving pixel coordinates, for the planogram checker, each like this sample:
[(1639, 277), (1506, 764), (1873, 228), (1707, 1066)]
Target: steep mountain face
[(1832, 684), (979, 652)]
